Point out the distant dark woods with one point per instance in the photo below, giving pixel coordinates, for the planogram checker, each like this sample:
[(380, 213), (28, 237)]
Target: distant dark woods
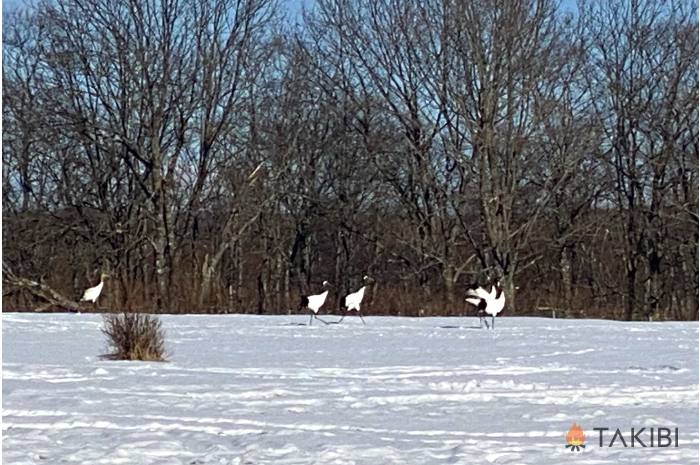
[(212, 157)]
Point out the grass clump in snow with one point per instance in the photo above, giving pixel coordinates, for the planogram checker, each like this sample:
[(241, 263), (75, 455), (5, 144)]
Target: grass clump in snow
[(134, 336)]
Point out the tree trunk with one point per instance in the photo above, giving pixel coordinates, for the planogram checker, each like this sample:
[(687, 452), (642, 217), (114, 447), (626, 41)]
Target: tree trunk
[(261, 293), (509, 289), (207, 276), (448, 278), (630, 301), (566, 270)]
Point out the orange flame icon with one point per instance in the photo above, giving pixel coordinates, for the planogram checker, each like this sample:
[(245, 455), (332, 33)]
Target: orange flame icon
[(575, 438)]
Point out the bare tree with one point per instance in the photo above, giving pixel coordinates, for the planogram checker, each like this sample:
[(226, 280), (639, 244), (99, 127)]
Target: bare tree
[(508, 59), (638, 83), (214, 158)]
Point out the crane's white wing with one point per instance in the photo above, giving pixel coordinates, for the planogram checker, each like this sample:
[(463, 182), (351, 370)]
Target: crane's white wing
[(317, 301), (91, 294), (352, 301), (480, 293), (475, 301), (495, 306)]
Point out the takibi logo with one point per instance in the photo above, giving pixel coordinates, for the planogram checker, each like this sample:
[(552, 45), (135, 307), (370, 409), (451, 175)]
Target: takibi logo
[(575, 438), (654, 436)]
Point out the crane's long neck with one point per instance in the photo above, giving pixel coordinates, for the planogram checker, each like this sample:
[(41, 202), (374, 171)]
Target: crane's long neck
[(361, 292), (498, 292)]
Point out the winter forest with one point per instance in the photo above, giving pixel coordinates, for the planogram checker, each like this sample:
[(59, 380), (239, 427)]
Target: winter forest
[(228, 155)]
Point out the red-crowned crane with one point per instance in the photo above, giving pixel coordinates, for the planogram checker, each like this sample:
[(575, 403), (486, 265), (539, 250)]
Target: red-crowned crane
[(352, 301), (488, 302), (314, 303), (93, 293)]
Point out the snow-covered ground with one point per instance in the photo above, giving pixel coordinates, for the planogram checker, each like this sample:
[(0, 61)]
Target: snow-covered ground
[(266, 390)]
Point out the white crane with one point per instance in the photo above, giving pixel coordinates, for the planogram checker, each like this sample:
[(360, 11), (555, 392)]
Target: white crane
[(314, 303), (488, 302), (93, 293), (353, 301)]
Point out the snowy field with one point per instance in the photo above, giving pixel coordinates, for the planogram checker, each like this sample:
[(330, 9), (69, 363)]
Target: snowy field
[(266, 390)]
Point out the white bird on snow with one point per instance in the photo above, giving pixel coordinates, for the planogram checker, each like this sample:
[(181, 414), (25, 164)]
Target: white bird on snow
[(314, 303), (93, 293), (353, 301), (488, 302)]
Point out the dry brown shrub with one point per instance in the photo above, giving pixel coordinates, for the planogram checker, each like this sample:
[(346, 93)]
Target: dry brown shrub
[(134, 336)]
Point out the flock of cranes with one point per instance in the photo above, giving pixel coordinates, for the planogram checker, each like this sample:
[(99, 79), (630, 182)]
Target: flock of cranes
[(350, 303), (488, 302)]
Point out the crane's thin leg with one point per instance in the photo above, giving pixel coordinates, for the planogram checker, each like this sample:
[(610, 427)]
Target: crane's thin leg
[(320, 319), (359, 313), (311, 319), (341, 318), (493, 321), (486, 322)]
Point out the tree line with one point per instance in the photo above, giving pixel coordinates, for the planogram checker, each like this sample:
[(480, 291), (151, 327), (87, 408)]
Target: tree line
[(218, 156)]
